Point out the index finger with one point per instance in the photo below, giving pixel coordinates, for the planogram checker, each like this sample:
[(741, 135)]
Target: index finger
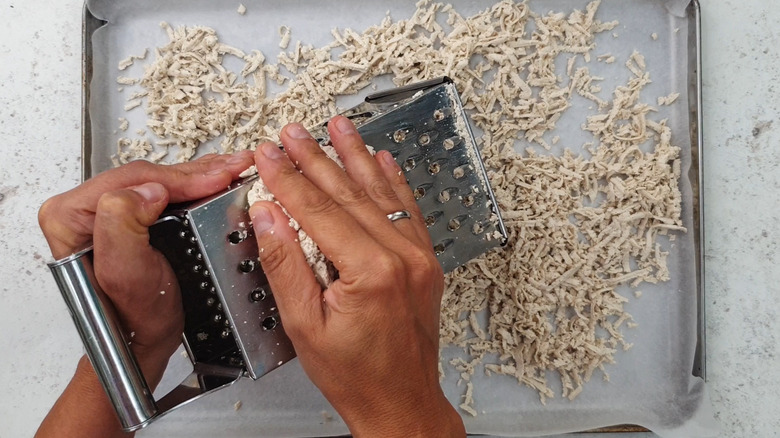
[(67, 219), (184, 181)]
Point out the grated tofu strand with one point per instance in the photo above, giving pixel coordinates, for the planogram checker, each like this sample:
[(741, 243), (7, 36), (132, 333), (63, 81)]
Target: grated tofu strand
[(579, 225)]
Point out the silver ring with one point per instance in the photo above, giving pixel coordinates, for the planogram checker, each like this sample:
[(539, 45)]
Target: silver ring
[(401, 214)]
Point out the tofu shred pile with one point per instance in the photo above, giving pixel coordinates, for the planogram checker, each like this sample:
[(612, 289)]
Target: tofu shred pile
[(580, 225)]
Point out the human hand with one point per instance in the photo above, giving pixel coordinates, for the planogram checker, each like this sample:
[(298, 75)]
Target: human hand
[(370, 342), (113, 212)]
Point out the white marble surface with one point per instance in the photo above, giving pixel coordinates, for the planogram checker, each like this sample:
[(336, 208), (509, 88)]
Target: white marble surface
[(40, 73)]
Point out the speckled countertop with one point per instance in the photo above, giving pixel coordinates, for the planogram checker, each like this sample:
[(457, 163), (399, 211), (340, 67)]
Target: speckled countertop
[(40, 71)]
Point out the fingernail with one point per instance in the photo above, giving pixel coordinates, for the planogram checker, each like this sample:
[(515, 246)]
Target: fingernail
[(151, 192), (271, 151), (239, 158), (296, 130), (389, 160), (262, 219), (345, 126)]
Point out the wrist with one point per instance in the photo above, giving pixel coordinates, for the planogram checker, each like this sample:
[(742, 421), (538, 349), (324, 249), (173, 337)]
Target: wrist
[(435, 418)]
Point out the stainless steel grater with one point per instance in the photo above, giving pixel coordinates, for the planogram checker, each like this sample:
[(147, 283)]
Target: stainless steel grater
[(232, 327)]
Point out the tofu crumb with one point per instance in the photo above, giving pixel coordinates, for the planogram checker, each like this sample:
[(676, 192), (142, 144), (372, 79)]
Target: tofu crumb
[(122, 80), (237, 405), (130, 60), (241, 9), (668, 100), (654, 36), (123, 124), (285, 34), (133, 104)]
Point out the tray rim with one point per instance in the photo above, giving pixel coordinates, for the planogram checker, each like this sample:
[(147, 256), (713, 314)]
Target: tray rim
[(90, 24)]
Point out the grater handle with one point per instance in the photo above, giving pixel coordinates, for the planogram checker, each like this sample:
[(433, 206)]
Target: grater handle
[(98, 326)]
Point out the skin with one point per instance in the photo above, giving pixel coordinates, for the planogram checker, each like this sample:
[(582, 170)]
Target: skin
[(386, 300)]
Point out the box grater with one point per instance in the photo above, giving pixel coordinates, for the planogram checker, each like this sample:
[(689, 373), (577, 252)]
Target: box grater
[(232, 327)]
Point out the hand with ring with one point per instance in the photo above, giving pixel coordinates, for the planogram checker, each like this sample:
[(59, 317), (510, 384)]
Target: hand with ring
[(370, 341)]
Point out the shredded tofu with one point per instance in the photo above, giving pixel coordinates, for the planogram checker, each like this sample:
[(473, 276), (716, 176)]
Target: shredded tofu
[(130, 60), (241, 9), (285, 34), (579, 224), (668, 100)]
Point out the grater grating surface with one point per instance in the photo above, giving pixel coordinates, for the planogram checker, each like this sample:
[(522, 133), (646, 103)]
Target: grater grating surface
[(232, 327), (426, 129)]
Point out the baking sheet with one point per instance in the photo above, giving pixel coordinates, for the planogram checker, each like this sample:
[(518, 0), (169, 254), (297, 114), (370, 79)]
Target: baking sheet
[(650, 385)]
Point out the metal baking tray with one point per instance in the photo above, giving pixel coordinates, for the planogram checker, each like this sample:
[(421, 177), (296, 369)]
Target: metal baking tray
[(95, 148)]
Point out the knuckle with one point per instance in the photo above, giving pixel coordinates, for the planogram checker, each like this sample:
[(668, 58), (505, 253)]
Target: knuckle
[(389, 265), (350, 195), (114, 203), (273, 256), (47, 213), (317, 205), (379, 189), (425, 266)]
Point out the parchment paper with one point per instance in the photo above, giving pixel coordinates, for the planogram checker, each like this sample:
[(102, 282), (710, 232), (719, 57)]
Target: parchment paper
[(650, 385)]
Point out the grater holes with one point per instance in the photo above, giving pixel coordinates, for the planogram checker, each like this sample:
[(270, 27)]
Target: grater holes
[(399, 136), (237, 236), (197, 269), (204, 285), (455, 223), (432, 218), (359, 118), (258, 294), (226, 332), (270, 323), (410, 163), (468, 200), (426, 138), (447, 194), (477, 228), (439, 115), (441, 247), (247, 266), (436, 166), (421, 191), (451, 142), (459, 172)]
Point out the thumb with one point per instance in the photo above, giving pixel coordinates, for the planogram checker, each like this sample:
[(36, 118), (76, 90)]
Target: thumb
[(296, 291), (136, 277)]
